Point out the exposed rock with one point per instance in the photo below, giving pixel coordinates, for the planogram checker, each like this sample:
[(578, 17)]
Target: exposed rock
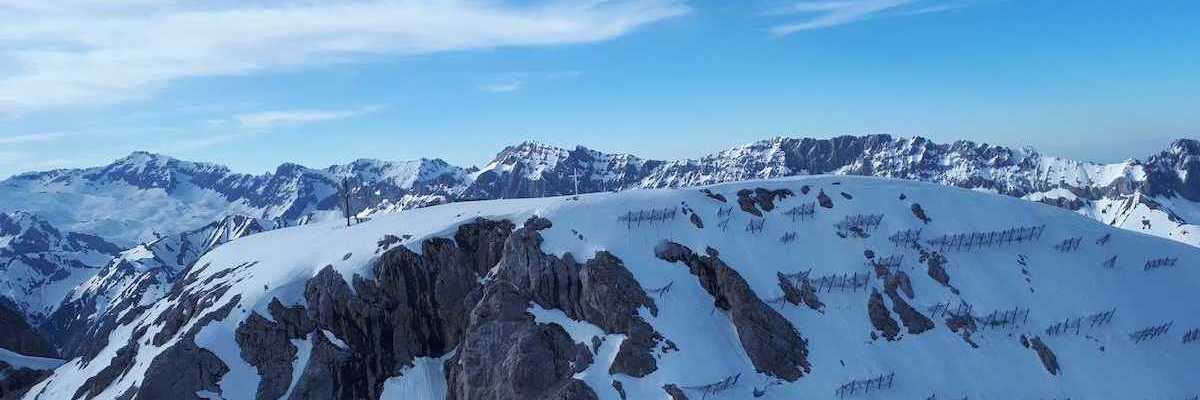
[(912, 319), (268, 347), (19, 336), (772, 343), (715, 196), (880, 318), (602, 292), (326, 365), (506, 355), (824, 200), (675, 392), (695, 218), (806, 293), (752, 201), (937, 268), (920, 213), (119, 365), (963, 325), (1049, 360), (901, 281), (14, 382), (182, 370), (619, 388)]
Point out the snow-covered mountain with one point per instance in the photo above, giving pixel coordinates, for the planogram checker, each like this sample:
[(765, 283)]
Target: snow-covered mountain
[(40, 264), (143, 196), (135, 279), (810, 287)]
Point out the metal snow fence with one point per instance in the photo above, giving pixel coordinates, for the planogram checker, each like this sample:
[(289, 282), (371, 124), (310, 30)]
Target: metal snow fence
[(724, 212), (1111, 262), (1103, 240), (662, 291), (1075, 326), (802, 212), (1159, 263), (1069, 245), (842, 282), (963, 309), (1151, 332), (715, 388), (973, 240), (755, 225), (865, 386), (905, 238), (634, 219), (788, 237), (1191, 336), (724, 224), (892, 263), (1006, 319), (860, 224)]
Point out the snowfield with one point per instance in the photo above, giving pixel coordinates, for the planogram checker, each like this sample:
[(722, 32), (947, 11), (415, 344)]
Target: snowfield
[(1101, 362)]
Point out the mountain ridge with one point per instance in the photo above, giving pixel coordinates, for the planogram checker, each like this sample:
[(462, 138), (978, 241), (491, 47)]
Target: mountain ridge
[(1169, 182)]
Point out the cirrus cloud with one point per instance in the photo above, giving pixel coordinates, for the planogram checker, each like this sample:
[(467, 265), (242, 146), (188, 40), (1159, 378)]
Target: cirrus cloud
[(82, 52)]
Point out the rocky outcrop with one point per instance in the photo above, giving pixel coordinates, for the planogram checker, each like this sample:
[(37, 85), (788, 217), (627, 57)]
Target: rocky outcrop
[(19, 336), (601, 291), (14, 382), (804, 294), (823, 200), (752, 201), (1049, 360), (505, 355), (880, 318), (772, 343), (675, 392)]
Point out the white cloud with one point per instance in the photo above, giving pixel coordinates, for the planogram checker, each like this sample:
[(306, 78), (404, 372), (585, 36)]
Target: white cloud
[(503, 87), (826, 14), (270, 119), (31, 138), (78, 52)]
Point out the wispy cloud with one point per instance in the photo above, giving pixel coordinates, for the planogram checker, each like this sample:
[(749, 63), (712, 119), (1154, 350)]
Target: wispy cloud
[(79, 52), (503, 87), (827, 14), (271, 119), (32, 138)]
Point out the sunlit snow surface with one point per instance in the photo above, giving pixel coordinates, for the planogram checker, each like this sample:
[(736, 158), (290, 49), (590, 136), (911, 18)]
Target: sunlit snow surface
[(1100, 364)]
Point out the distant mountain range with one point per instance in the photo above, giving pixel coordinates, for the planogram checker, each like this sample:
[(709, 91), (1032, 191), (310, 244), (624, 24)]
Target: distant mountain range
[(143, 196)]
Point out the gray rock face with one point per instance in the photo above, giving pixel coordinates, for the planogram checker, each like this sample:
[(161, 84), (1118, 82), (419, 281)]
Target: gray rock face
[(19, 336), (601, 291), (675, 392), (505, 355), (14, 382), (1049, 360), (773, 344), (880, 318)]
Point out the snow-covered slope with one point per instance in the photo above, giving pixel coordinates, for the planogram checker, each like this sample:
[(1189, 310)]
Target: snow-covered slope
[(136, 278), (39, 264), (649, 292)]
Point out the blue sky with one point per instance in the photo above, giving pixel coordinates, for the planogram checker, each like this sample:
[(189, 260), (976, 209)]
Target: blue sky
[(251, 84)]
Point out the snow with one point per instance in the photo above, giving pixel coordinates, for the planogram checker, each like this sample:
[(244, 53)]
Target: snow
[(19, 360), (423, 381), (1061, 285), (303, 353)]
